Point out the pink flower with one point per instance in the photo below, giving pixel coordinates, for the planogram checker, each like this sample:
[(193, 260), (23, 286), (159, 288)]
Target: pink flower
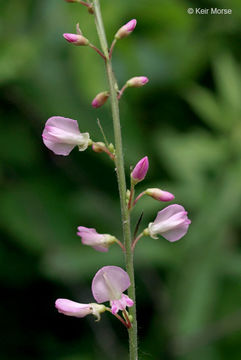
[(99, 242), (76, 39), (100, 99), (72, 308), (137, 81), (126, 29), (159, 194), (172, 223), (61, 135), (140, 170), (109, 284), (121, 304)]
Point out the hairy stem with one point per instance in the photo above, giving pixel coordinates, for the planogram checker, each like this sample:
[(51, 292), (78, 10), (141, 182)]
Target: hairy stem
[(120, 177)]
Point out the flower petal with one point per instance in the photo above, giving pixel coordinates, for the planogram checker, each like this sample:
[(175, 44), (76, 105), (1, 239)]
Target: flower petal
[(57, 148), (72, 308), (63, 123), (121, 304), (167, 212), (90, 237), (109, 283), (177, 233)]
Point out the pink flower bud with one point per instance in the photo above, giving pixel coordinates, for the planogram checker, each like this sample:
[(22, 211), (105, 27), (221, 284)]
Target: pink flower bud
[(159, 194), (126, 29), (137, 81), (109, 284), (76, 39), (100, 99), (61, 135), (99, 242), (72, 308), (172, 223), (140, 170)]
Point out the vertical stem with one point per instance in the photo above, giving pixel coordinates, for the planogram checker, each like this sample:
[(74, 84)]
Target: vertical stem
[(120, 177)]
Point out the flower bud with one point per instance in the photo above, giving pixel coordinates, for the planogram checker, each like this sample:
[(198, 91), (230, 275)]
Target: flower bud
[(76, 39), (126, 29), (111, 148), (72, 308), (98, 147), (159, 194), (140, 170), (100, 99), (128, 194), (137, 81)]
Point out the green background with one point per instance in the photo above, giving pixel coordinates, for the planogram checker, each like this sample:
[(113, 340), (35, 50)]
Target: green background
[(187, 120)]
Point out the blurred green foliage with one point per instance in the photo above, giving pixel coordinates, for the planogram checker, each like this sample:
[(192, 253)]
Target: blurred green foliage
[(187, 120)]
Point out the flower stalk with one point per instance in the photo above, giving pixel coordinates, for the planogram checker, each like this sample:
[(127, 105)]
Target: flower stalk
[(119, 318), (136, 240), (119, 160)]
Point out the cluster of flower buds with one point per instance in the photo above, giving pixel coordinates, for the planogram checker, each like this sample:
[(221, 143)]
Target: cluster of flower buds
[(172, 222), (108, 284), (136, 81)]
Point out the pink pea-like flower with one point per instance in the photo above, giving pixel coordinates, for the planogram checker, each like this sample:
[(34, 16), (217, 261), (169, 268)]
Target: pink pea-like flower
[(61, 135), (109, 284), (140, 170), (172, 223), (137, 81), (159, 194), (72, 308), (126, 29), (99, 242), (76, 39)]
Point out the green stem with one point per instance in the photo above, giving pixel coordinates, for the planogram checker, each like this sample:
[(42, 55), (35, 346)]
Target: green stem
[(120, 177), (132, 193)]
